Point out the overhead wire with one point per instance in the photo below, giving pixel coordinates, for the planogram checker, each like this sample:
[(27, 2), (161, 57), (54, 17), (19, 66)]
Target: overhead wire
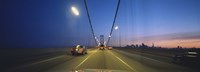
[(113, 22), (90, 22)]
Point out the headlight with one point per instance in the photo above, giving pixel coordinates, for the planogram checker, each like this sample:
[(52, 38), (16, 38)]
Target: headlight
[(76, 49)]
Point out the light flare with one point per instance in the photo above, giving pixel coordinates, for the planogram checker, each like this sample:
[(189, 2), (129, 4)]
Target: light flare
[(75, 10)]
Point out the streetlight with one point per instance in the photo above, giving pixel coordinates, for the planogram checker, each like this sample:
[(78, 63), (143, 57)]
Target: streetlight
[(75, 10), (95, 37), (116, 27), (109, 36)]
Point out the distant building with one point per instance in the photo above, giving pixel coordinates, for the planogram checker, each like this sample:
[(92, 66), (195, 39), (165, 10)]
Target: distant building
[(152, 45)]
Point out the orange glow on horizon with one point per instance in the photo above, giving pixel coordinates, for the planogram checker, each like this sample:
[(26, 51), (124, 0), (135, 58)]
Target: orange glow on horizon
[(184, 43)]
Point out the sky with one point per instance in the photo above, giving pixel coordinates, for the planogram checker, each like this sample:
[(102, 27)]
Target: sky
[(51, 23)]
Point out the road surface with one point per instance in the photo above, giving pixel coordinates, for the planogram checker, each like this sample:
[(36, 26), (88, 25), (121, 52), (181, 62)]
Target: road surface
[(101, 60)]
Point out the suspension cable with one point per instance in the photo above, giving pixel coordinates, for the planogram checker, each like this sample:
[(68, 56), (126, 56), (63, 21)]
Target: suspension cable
[(113, 22), (90, 22)]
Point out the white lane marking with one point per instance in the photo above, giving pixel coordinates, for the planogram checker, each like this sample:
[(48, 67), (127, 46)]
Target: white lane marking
[(85, 60), (138, 56), (46, 60), (123, 61)]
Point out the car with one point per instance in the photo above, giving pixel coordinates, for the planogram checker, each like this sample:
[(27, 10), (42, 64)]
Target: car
[(101, 47), (79, 50), (109, 48), (187, 57)]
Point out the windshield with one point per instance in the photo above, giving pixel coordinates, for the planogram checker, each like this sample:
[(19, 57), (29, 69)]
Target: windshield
[(100, 36)]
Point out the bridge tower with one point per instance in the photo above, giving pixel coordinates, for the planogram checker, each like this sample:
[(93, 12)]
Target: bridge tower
[(101, 40)]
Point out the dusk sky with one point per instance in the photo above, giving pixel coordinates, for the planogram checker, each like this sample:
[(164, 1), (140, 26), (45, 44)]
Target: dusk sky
[(51, 23)]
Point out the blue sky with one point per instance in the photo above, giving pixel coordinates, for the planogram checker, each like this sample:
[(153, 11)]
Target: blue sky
[(50, 23)]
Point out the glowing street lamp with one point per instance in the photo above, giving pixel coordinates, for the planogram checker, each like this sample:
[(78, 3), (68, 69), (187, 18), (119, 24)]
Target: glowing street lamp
[(95, 37), (109, 36), (116, 27), (75, 10)]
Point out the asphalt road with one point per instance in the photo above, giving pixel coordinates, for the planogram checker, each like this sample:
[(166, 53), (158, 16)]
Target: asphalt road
[(101, 60)]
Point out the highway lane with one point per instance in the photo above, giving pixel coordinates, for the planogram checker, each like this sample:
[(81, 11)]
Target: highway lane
[(102, 60), (146, 64)]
